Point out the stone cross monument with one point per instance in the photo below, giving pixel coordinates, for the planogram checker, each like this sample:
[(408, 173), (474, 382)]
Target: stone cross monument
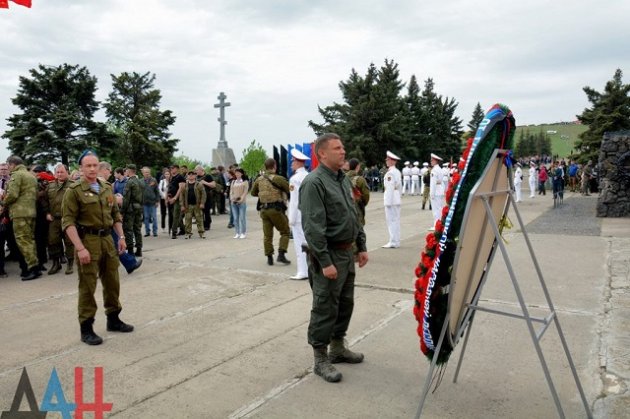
[(222, 155)]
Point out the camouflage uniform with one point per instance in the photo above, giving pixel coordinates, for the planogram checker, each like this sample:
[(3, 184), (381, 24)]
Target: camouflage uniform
[(21, 197), (360, 193), (94, 214), (57, 241), (132, 213), (272, 199), (193, 210)]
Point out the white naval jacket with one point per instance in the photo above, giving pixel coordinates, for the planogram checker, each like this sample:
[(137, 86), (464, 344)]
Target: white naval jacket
[(392, 181)]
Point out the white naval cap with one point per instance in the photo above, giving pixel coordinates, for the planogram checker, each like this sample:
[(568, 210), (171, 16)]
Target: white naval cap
[(392, 156), (425, 164), (407, 163), (444, 164), (416, 163), (298, 155), (436, 157)]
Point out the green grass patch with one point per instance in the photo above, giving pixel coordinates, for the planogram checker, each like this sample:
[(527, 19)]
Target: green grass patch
[(563, 136)]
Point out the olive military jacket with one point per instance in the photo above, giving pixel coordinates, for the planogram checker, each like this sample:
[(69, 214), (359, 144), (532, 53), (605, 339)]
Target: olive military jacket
[(82, 206), (21, 193), (55, 193), (329, 214), (133, 195), (265, 190), (200, 195)]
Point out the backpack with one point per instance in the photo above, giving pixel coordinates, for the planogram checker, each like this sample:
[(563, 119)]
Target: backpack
[(356, 192)]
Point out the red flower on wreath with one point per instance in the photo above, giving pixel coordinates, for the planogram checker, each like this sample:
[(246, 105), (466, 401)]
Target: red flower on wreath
[(445, 210), (431, 241)]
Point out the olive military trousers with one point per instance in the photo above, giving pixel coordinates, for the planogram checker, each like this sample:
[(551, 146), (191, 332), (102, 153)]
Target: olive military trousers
[(58, 241), (24, 231), (103, 264), (333, 300), (271, 218), (132, 227), (194, 211)]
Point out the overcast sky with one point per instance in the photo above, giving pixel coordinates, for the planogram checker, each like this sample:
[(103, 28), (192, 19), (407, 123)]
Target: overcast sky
[(278, 60)]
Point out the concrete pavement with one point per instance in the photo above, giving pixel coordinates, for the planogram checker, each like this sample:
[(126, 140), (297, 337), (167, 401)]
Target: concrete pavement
[(221, 334)]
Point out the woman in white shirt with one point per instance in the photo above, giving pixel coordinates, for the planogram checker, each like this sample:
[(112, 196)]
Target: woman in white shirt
[(238, 202)]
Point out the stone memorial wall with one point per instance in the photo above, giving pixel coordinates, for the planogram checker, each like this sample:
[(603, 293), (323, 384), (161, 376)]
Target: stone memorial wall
[(614, 175)]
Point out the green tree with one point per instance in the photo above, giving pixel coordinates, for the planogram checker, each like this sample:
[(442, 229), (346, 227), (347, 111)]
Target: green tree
[(254, 157), (371, 120), (133, 108), (189, 162), (610, 111), (475, 120), (57, 105)]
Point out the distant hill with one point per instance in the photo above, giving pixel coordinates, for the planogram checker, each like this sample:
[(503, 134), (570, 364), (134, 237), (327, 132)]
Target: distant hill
[(563, 135)]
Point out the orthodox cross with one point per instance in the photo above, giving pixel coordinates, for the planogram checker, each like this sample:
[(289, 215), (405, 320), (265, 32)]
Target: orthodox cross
[(222, 122)]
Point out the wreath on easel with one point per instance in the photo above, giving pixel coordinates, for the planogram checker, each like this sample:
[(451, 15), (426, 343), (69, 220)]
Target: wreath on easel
[(433, 273)]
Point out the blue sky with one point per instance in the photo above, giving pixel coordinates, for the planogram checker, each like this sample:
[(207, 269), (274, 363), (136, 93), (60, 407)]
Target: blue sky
[(278, 60)]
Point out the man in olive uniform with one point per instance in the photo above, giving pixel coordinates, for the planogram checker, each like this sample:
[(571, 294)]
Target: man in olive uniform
[(132, 210), (192, 201), (57, 241), (272, 191), (360, 189), (89, 213), (20, 199), (332, 230)]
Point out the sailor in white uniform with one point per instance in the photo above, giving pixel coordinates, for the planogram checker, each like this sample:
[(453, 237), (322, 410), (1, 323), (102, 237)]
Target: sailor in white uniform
[(518, 180), (415, 179), (533, 179), (437, 188), (392, 182), (406, 176), (295, 216)]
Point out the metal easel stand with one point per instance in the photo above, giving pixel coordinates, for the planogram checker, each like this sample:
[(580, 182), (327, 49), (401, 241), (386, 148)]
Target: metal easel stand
[(535, 335)]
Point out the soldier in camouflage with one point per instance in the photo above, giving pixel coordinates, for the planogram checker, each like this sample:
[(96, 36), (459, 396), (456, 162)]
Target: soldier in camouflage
[(132, 210), (20, 199), (272, 191), (57, 241), (192, 201)]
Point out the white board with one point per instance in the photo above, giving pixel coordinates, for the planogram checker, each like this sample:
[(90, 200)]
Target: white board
[(476, 240)]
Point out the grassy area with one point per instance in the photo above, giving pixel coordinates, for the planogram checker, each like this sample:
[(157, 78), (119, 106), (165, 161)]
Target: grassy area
[(563, 136)]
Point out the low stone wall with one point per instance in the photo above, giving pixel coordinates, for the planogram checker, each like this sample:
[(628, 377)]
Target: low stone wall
[(614, 175)]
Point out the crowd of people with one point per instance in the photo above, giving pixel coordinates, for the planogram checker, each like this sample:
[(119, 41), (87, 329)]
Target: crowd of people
[(31, 209)]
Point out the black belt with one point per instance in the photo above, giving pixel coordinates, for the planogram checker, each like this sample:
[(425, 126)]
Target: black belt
[(102, 232)]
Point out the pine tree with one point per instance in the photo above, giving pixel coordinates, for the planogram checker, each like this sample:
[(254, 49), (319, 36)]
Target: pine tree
[(475, 120), (57, 105), (610, 111), (133, 110)]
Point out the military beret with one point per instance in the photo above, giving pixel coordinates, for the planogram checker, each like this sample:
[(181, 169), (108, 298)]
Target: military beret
[(87, 152)]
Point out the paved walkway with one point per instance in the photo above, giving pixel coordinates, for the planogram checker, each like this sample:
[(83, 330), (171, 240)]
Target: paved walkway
[(221, 334)]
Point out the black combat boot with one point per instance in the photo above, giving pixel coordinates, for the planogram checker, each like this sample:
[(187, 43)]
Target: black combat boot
[(87, 333), (114, 324), (56, 267), (269, 259), (339, 352), (138, 252), (282, 258), (323, 367), (33, 273)]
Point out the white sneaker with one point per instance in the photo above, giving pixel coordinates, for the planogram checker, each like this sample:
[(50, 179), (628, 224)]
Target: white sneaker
[(237, 236), (242, 236)]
